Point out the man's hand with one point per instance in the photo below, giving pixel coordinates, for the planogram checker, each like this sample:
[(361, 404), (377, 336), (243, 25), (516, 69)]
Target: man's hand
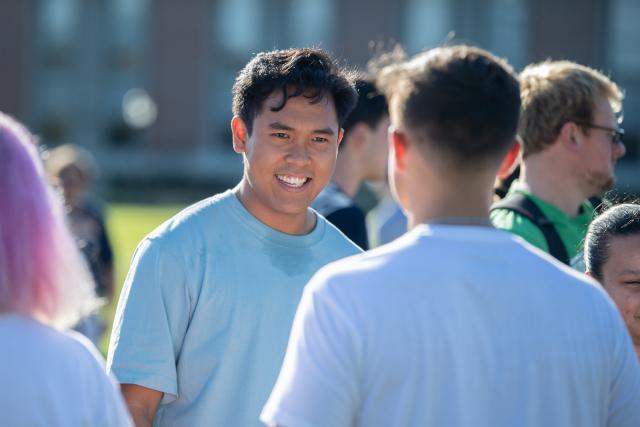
[(142, 402)]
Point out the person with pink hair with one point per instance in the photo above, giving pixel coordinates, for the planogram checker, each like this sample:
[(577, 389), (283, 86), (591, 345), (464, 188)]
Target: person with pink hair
[(51, 376)]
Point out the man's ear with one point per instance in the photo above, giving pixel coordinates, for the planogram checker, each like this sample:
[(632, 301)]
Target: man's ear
[(358, 135), (510, 160), (398, 142), (340, 136), (240, 134), (570, 136)]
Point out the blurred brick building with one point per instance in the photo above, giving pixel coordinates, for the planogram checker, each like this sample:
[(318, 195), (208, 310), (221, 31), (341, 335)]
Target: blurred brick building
[(146, 84)]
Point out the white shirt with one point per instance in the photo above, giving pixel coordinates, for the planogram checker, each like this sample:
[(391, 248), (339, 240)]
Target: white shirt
[(456, 326), (52, 378)]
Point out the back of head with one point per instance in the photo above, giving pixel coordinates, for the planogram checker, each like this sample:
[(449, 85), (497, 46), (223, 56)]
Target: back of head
[(462, 101), (370, 109), (71, 169), (42, 273), (371, 106), (556, 92), (617, 221), (304, 71)]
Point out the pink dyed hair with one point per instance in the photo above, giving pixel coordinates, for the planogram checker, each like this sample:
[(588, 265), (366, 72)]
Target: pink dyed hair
[(42, 274)]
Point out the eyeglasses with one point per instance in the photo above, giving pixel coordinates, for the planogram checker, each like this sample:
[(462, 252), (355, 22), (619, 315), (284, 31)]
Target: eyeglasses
[(616, 134)]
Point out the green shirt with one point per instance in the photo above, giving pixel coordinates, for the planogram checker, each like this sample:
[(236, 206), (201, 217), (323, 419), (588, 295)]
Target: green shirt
[(571, 229)]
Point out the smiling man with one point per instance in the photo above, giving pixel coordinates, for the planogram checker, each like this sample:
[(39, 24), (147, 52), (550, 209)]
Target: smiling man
[(204, 316)]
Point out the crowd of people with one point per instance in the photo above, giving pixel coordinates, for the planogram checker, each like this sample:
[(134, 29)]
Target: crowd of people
[(264, 303)]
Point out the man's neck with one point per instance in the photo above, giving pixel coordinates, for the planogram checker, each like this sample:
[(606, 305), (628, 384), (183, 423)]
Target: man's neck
[(552, 183), (638, 351), (296, 224), (347, 174), (452, 203)]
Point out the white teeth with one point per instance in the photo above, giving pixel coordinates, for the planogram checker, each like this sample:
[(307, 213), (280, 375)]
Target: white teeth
[(292, 180)]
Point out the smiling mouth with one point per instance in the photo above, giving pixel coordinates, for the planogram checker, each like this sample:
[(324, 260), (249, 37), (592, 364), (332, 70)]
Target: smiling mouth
[(293, 181)]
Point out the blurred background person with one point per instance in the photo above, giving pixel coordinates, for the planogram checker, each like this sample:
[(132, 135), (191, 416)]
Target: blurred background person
[(51, 377), (386, 221), (71, 169), (362, 157), (570, 144), (612, 256)]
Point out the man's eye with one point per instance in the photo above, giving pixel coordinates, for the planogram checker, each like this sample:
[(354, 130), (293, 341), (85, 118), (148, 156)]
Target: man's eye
[(280, 135), (320, 139)]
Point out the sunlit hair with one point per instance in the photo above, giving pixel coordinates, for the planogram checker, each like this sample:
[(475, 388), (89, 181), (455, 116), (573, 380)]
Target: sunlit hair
[(461, 101), (70, 156), (617, 221), (42, 273), (555, 92)]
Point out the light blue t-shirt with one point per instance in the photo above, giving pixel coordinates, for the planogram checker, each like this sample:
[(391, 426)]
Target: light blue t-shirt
[(206, 309)]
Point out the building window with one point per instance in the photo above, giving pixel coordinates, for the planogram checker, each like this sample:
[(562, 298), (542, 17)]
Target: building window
[(311, 23), (508, 30), (623, 59), (427, 23)]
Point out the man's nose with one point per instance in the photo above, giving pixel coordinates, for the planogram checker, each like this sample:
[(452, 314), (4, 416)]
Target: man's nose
[(619, 150), (299, 153)]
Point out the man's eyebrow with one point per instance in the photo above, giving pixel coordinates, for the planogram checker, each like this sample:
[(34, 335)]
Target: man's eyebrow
[(325, 131), (280, 126)]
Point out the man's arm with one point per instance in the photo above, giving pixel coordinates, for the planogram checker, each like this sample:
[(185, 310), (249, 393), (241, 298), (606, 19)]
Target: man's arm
[(152, 315), (142, 402)]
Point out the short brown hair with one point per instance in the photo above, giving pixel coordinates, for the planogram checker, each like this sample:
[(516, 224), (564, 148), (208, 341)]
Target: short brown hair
[(556, 92), (462, 100)]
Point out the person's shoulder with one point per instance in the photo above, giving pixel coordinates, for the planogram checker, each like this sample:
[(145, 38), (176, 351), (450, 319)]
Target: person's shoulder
[(64, 349), (363, 269), (193, 222), (518, 224), (560, 281), (332, 199)]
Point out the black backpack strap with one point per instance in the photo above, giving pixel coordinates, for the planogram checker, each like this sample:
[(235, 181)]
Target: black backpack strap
[(526, 207)]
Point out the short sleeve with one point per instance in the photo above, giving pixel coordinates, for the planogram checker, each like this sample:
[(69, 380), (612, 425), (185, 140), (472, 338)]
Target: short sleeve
[(151, 321), (318, 382)]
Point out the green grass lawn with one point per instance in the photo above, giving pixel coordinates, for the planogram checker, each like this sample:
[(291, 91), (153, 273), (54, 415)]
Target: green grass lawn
[(127, 225)]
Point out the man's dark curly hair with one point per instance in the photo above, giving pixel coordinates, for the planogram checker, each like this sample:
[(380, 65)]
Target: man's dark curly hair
[(307, 72)]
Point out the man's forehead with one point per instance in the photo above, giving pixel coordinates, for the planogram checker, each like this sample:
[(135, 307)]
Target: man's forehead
[(312, 96), (316, 110)]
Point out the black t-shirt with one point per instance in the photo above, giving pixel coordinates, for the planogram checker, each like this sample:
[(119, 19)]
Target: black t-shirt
[(87, 226), (340, 210)]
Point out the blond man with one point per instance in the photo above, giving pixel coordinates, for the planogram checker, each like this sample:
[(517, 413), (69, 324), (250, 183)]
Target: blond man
[(571, 140)]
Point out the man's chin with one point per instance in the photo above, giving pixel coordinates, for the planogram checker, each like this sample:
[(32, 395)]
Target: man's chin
[(608, 185), (600, 184)]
